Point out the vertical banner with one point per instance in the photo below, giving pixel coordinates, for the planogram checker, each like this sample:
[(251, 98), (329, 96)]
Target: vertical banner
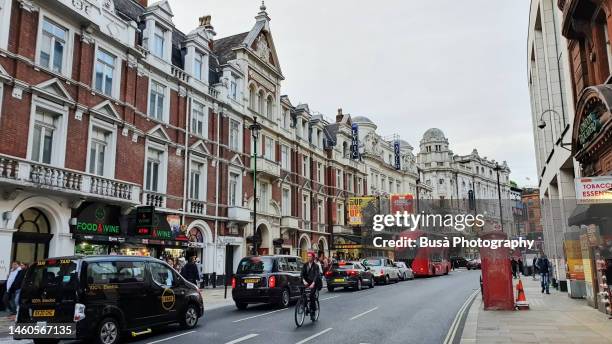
[(355, 142), (396, 149), (401, 204), (355, 209)]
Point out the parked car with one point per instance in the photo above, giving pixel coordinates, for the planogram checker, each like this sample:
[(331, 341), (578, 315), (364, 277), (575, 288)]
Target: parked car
[(349, 275), (267, 279), (405, 272), (473, 264), (383, 269), (107, 296), (459, 262)]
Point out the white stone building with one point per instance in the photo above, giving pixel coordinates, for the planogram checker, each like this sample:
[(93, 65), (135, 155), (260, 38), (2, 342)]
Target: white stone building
[(452, 176), (552, 116)]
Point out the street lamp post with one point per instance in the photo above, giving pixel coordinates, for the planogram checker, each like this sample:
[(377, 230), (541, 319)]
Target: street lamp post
[(501, 214), (542, 125), (255, 129)]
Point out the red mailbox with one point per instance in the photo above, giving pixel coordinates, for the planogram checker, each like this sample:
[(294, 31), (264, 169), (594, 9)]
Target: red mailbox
[(497, 289)]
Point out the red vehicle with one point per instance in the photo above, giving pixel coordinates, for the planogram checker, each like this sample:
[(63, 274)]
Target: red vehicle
[(428, 261)]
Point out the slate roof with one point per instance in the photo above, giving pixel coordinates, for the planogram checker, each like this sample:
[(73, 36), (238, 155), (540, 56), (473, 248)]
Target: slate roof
[(223, 47), (129, 8)]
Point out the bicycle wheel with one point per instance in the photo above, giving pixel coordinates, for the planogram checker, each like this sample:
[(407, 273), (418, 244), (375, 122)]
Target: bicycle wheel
[(300, 312), (316, 312)]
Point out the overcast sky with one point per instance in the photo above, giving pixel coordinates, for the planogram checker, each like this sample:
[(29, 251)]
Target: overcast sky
[(408, 65)]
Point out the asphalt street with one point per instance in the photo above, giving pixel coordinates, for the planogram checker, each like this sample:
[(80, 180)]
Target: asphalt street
[(416, 311)]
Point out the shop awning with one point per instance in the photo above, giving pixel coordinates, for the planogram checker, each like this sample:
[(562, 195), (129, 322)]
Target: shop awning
[(586, 214)]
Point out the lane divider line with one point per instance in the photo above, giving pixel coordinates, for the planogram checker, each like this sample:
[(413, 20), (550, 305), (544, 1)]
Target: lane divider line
[(314, 336), (329, 298), (364, 313), (259, 315), (172, 337), (242, 339), (452, 331)]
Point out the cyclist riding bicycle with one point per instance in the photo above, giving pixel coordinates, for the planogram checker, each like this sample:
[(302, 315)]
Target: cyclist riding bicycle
[(311, 277)]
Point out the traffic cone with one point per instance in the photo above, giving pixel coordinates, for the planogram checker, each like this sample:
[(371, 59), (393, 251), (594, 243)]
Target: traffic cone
[(521, 300)]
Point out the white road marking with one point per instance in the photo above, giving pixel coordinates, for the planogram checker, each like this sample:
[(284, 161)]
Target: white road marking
[(364, 313), (328, 298), (241, 339), (168, 338), (259, 315), (314, 336), (452, 331)]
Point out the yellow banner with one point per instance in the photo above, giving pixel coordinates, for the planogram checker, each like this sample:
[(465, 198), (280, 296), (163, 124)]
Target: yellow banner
[(355, 209)]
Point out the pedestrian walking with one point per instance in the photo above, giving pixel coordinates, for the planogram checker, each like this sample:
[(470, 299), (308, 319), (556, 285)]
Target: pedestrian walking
[(514, 267), (520, 267), (544, 268), (11, 287), (190, 271), (534, 267)]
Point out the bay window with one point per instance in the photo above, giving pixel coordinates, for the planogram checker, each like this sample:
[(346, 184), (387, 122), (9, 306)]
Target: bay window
[(198, 66)]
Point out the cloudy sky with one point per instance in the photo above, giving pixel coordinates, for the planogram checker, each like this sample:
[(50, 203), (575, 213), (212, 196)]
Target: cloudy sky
[(407, 64)]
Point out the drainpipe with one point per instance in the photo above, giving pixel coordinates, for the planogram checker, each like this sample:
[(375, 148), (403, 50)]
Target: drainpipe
[(186, 159), (217, 178)]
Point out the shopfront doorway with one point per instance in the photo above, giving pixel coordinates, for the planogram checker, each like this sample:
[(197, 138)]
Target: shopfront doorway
[(31, 240)]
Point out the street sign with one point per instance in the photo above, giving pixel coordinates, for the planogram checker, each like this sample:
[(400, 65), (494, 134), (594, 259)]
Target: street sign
[(593, 190)]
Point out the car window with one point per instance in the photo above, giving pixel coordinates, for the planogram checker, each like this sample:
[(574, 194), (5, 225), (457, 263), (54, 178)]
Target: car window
[(162, 275), (300, 263), (115, 272), (255, 265), (292, 264), (372, 262), (283, 264)]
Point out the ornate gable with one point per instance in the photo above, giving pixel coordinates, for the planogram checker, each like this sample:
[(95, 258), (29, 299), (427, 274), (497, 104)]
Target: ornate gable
[(107, 109), (158, 133), (200, 148), (53, 88), (237, 161)]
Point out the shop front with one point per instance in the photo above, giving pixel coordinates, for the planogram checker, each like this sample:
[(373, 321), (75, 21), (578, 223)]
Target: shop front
[(592, 148), (346, 247)]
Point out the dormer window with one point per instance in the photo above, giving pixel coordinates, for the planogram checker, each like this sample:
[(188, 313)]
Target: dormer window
[(233, 92), (159, 41), (198, 66)]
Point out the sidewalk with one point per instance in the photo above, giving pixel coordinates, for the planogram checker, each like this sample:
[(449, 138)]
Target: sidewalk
[(553, 318)]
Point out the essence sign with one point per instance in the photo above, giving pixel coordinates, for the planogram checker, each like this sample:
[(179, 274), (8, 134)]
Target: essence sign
[(594, 190)]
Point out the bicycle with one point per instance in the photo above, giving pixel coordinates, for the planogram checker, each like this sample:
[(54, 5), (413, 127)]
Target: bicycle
[(302, 308)]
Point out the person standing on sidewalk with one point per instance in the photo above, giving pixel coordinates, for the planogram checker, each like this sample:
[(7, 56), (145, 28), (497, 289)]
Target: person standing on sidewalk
[(544, 267), (9, 296), (190, 271), (534, 267), (514, 267), (520, 267)]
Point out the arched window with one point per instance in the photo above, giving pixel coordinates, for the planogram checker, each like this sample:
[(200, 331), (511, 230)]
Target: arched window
[(269, 103), (260, 102), (252, 97), (31, 241)]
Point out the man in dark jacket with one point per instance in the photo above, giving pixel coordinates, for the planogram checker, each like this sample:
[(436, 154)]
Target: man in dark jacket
[(311, 277), (544, 267), (190, 271), (514, 267)]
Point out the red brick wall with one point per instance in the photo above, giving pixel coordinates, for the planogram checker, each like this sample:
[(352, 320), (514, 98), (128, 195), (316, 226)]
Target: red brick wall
[(76, 142), (14, 123)]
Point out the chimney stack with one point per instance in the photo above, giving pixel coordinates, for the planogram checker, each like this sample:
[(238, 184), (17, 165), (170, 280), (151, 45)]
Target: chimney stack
[(339, 116)]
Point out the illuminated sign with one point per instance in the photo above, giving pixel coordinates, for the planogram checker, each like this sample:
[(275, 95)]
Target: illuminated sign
[(98, 218), (594, 190), (355, 142), (396, 150), (355, 209)]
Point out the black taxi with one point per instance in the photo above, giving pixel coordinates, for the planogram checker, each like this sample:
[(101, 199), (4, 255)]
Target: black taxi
[(107, 297), (267, 279)]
